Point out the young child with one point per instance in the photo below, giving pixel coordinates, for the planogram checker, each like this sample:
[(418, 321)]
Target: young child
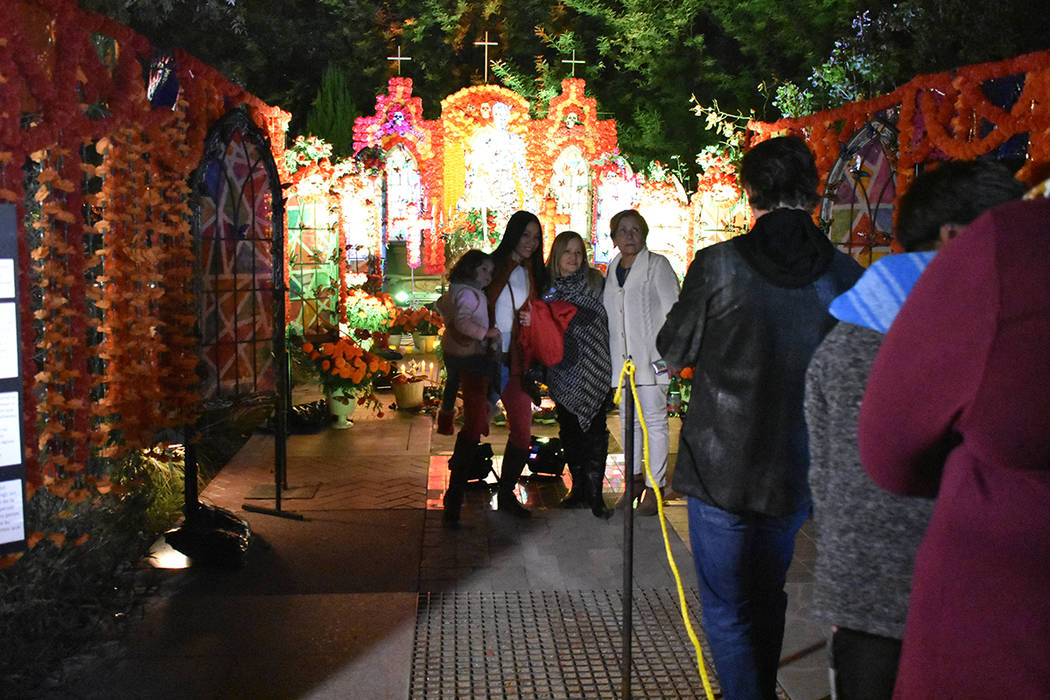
[(468, 334)]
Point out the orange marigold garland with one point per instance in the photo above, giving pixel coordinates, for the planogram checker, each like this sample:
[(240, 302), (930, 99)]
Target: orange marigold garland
[(59, 263), (129, 295), (177, 308), (941, 116)]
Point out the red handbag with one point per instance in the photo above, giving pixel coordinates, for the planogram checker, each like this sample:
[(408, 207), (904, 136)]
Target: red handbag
[(543, 339)]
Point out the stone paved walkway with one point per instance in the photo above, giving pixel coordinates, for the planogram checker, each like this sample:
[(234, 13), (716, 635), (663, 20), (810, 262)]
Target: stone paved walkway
[(328, 606)]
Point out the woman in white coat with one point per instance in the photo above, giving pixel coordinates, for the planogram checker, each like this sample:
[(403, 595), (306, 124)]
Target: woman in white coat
[(640, 288)]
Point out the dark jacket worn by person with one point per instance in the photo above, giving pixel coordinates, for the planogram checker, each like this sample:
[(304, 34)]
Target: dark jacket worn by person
[(751, 312)]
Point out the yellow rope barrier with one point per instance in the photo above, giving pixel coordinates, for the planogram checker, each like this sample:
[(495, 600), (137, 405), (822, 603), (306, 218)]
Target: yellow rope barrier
[(628, 369)]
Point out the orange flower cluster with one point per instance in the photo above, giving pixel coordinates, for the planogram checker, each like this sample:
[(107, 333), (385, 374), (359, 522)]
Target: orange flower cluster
[(719, 177), (421, 320), (59, 273), (148, 264), (346, 365)]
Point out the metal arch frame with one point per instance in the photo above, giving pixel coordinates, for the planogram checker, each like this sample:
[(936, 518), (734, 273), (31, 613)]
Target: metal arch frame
[(219, 136)]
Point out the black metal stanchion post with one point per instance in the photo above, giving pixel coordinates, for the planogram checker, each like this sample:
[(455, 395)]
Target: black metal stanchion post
[(628, 541), (282, 402)]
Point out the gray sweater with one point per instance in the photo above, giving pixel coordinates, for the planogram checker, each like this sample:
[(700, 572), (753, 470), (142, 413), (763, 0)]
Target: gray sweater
[(867, 537)]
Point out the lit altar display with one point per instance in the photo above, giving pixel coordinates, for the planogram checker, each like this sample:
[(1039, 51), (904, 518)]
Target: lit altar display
[(618, 189), (452, 183), (413, 159), (486, 170), (720, 208), (570, 187), (359, 221), (496, 176), (405, 201), (665, 206)]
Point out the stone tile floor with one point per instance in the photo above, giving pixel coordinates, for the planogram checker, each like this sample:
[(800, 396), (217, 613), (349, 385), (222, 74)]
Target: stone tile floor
[(329, 606)]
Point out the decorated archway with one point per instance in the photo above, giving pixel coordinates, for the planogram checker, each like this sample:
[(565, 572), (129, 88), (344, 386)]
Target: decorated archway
[(238, 233)]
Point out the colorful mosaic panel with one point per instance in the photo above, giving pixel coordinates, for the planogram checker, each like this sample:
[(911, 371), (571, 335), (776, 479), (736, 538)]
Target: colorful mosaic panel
[(237, 271), (860, 193)]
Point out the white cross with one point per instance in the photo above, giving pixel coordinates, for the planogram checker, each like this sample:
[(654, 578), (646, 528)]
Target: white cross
[(573, 62), (486, 43), (398, 58)]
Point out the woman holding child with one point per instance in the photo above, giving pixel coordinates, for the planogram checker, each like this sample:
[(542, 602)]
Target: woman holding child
[(518, 277)]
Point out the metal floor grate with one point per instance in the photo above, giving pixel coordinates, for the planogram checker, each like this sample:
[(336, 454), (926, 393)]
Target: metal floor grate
[(553, 644)]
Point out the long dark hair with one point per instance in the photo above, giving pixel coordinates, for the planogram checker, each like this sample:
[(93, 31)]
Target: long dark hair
[(511, 235)]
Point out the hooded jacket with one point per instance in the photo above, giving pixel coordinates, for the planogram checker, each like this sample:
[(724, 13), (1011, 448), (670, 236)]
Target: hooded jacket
[(751, 312)]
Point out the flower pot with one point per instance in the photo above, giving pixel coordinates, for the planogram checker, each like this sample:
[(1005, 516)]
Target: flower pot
[(395, 341), (341, 405), (408, 394), (424, 343)]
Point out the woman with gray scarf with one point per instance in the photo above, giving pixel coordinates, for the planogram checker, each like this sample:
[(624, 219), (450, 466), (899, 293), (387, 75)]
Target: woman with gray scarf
[(579, 384)]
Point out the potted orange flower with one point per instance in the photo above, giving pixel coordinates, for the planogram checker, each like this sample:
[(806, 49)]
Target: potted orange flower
[(348, 373), (425, 325), (402, 326)]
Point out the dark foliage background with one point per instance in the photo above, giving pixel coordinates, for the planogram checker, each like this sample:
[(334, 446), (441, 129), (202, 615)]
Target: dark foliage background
[(644, 59)]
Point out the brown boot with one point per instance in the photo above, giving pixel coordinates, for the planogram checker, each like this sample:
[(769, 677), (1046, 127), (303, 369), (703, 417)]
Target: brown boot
[(647, 505), (637, 483)]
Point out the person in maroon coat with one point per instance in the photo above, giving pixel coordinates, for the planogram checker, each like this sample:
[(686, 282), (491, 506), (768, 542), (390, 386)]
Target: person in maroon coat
[(958, 407)]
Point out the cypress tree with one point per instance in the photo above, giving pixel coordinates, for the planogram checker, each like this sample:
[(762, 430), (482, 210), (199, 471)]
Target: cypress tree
[(333, 112)]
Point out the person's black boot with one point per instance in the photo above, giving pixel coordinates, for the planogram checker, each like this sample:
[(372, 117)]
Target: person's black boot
[(577, 496), (459, 467), (596, 497), (597, 449), (514, 459), (575, 455)]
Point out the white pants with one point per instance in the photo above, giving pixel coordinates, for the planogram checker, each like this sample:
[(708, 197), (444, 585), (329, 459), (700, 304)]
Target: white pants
[(653, 399)]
